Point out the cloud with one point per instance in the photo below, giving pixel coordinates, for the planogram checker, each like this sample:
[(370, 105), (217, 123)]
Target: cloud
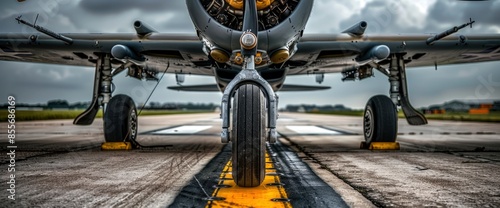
[(322, 10), (454, 12), (425, 16), (40, 82), (111, 7)]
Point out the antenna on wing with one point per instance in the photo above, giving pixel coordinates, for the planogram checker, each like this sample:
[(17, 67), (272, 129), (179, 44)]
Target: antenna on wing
[(446, 33), (45, 31), (36, 19)]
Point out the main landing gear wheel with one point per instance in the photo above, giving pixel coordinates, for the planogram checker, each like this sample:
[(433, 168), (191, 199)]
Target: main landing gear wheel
[(380, 120), (120, 120), (248, 136)]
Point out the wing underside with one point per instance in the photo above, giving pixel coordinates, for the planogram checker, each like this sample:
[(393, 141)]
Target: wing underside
[(215, 88), (183, 52)]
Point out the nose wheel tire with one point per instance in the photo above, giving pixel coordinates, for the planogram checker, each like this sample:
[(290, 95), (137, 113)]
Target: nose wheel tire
[(248, 136), (120, 120), (380, 122)]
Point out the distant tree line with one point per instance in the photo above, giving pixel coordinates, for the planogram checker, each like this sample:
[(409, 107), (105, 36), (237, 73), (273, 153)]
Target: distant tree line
[(52, 104), (305, 108), (463, 105), (64, 104), (181, 106)]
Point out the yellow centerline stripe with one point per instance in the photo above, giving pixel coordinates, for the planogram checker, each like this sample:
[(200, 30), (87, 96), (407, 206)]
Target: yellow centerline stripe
[(261, 196)]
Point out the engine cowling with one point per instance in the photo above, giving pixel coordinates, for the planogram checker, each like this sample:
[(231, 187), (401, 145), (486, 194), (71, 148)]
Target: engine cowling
[(230, 12), (219, 23)]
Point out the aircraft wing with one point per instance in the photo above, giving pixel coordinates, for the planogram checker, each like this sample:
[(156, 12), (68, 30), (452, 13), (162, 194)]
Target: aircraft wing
[(215, 88), (338, 53), (181, 52)]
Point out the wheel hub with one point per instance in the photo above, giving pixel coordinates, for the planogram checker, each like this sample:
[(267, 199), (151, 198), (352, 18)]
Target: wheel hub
[(133, 124), (368, 123)]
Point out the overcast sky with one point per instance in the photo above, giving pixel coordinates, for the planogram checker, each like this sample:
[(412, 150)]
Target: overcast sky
[(38, 83)]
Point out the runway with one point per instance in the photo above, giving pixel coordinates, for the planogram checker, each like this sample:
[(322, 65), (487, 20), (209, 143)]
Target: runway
[(317, 159)]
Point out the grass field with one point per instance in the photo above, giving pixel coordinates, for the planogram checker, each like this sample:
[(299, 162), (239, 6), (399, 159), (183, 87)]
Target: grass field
[(342, 113), (492, 117), (71, 114)]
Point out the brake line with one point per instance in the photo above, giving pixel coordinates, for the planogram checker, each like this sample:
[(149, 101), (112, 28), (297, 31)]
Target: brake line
[(134, 141)]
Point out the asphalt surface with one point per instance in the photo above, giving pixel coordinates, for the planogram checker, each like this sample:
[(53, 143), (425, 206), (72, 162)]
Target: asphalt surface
[(443, 164), (61, 165)]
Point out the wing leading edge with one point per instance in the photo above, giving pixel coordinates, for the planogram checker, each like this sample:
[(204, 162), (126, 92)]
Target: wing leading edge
[(321, 53), (180, 51)]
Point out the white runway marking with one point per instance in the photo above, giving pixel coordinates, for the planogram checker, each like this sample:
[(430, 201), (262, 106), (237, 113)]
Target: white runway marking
[(286, 119), (312, 130), (211, 120), (183, 130)]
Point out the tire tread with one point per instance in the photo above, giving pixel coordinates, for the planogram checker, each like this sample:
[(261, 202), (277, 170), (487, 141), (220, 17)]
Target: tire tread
[(248, 146)]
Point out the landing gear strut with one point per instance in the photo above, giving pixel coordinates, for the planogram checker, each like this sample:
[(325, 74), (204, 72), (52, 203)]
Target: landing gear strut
[(101, 93), (399, 91), (254, 113), (120, 113), (381, 117)]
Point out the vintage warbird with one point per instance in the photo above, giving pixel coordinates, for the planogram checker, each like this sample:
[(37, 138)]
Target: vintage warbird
[(250, 47)]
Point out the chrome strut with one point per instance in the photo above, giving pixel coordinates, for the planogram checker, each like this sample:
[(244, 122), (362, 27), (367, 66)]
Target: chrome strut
[(102, 90), (107, 79), (249, 75), (399, 91)]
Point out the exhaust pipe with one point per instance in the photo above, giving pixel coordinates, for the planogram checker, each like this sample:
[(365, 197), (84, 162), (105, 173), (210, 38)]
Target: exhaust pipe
[(143, 29), (357, 30)]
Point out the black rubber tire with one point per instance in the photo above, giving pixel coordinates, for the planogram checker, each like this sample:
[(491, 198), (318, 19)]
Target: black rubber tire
[(248, 140), (120, 120), (380, 120)]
